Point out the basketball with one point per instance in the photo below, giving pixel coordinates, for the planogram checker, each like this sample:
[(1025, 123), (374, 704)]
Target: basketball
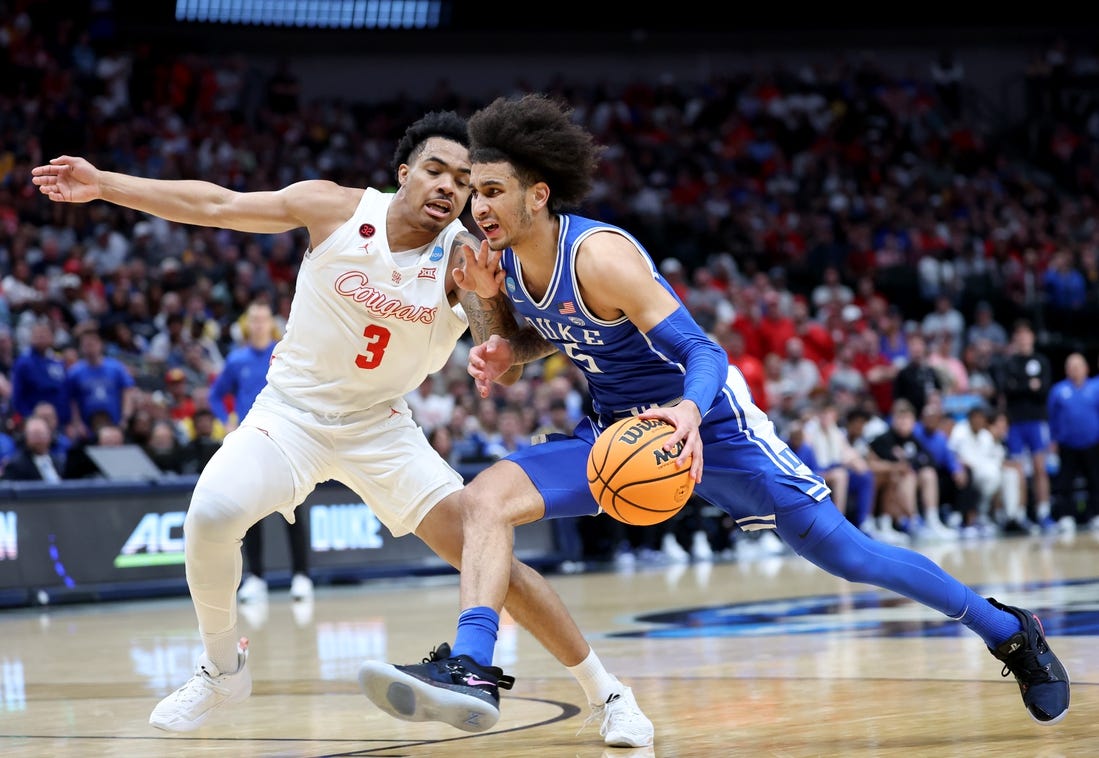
[(633, 478)]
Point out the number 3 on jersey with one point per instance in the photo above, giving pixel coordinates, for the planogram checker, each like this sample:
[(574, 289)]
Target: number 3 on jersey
[(377, 337)]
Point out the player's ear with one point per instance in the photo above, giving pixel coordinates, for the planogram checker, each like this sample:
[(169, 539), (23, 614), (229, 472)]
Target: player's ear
[(539, 194), (402, 174)]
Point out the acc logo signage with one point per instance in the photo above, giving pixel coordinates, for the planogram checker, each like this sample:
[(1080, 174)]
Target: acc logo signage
[(157, 541)]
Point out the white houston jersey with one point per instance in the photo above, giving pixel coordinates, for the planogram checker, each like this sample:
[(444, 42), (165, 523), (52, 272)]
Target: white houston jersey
[(364, 329)]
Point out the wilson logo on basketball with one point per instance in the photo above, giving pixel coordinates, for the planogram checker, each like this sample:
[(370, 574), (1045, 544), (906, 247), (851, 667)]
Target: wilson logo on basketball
[(633, 434)]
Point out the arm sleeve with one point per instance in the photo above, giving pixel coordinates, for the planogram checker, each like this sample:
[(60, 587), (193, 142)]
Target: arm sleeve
[(679, 337)]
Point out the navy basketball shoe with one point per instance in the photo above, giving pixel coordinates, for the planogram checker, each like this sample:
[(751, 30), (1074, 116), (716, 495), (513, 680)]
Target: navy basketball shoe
[(455, 690), (1042, 678)]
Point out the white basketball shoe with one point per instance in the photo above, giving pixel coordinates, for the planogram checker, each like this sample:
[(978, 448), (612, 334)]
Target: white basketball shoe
[(187, 708), (623, 723)]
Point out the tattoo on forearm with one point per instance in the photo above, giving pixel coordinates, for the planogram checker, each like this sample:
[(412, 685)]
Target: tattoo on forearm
[(495, 316), (488, 317), (528, 345)]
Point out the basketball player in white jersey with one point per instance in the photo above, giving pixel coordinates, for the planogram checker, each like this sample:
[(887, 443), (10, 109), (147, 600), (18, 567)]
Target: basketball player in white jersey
[(377, 308)]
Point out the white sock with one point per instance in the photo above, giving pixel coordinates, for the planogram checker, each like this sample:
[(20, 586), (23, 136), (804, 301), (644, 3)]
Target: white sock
[(1041, 510), (598, 683), (221, 649)]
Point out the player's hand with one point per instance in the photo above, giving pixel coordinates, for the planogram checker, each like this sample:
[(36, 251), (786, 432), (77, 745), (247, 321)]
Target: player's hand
[(480, 271), (489, 361), (686, 418), (67, 180)]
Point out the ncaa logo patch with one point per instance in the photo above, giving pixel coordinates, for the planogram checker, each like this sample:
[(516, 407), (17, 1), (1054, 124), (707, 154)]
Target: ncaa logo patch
[(436, 254), (511, 287)]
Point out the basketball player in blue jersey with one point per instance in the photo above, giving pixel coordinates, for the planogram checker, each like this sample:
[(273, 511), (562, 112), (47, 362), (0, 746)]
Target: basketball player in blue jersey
[(376, 308), (591, 291)]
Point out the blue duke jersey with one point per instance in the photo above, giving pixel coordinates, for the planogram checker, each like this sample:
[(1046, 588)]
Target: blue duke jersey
[(749, 472), (624, 371)]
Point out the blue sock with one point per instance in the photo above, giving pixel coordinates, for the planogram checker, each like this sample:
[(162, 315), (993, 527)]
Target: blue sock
[(993, 625), (477, 628)]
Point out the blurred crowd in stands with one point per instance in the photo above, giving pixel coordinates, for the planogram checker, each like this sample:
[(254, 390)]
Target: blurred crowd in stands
[(902, 285)]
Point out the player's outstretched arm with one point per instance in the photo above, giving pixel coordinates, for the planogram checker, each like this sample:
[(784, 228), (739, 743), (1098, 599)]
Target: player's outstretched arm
[(72, 179)]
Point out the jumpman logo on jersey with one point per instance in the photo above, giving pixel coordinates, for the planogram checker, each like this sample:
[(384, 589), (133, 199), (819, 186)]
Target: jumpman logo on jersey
[(394, 412)]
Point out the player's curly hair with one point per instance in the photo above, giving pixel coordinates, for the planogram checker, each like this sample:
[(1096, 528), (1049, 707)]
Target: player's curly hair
[(538, 137), (446, 124)]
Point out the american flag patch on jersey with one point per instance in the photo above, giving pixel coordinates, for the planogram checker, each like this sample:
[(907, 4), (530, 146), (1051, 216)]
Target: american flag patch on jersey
[(566, 308)]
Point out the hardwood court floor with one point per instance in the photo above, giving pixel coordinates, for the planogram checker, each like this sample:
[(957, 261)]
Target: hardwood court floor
[(768, 657)]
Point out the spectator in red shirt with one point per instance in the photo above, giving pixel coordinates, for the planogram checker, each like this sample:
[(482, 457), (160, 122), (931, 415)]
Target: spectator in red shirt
[(776, 327), (878, 370), (180, 403), (816, 342), (750, 366), (748, 320)]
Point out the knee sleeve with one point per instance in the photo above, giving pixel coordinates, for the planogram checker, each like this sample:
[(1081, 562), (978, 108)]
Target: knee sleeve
[(212, 534), (244, 481), (213, 517), (247, 479)]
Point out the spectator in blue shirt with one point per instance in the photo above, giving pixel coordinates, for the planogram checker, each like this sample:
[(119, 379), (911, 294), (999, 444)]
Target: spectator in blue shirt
[(39, 376), (245, 371), (509, 435), (1065, 290), (1074, 433), (97, 383), (244, 375)]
